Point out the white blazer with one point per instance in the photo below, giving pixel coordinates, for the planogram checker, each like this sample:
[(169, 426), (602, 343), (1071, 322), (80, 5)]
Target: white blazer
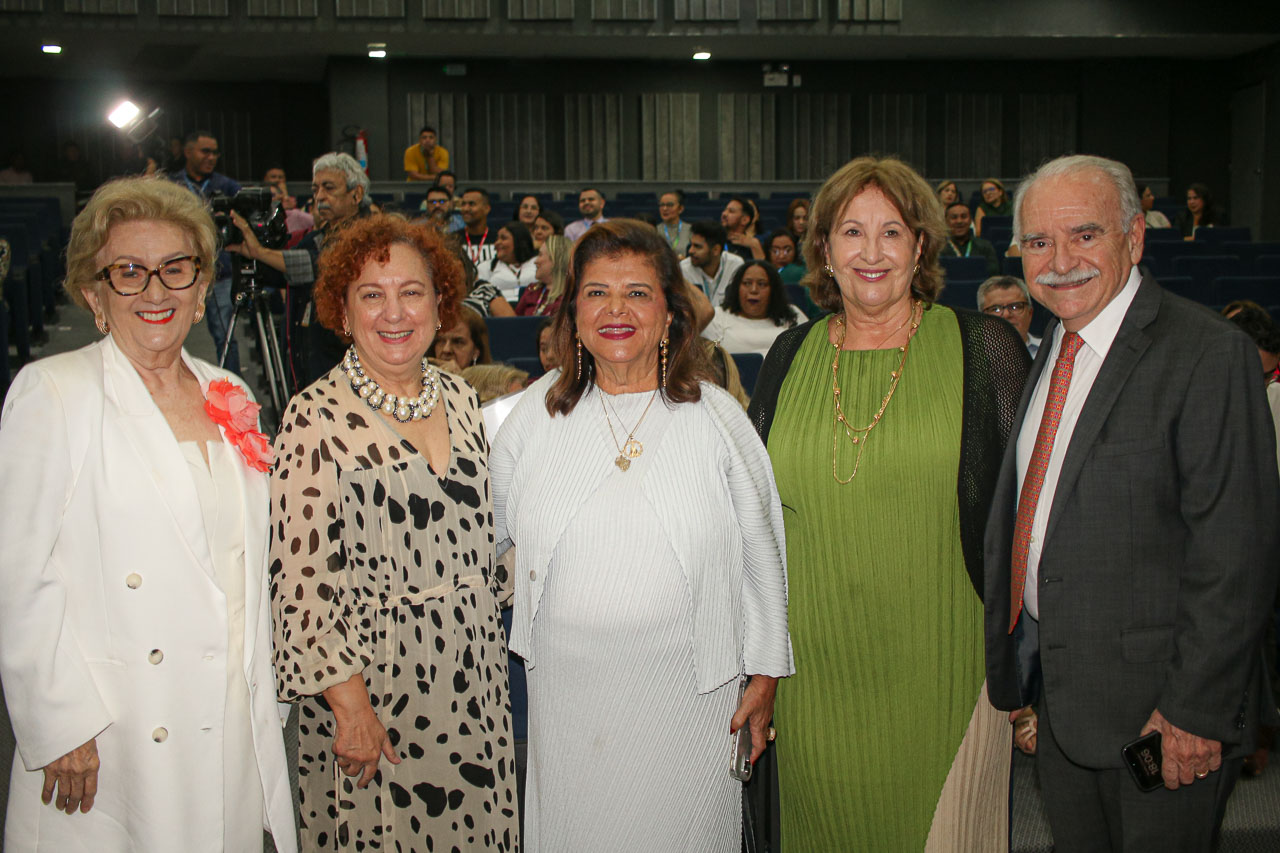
[(111, 623), (711, 486)]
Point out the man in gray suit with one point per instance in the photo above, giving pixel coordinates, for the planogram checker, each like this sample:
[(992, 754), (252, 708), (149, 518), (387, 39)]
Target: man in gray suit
[(1131, 550)]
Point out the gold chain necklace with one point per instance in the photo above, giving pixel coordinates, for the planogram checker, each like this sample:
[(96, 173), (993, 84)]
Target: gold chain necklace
[(860, 435), (631, 448)]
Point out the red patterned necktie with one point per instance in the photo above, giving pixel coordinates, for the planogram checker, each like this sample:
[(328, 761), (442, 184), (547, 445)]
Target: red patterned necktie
[(1033, 482)]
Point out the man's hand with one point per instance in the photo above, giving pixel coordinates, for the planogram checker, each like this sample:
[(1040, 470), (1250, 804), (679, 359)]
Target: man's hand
[(1184, 757), (250, 247), (76, 777)]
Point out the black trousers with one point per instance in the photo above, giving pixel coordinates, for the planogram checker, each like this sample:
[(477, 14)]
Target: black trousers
[(1095, 811)]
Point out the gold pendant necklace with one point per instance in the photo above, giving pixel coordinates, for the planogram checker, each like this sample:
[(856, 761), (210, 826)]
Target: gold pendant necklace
[(859, 435), (631, 448)]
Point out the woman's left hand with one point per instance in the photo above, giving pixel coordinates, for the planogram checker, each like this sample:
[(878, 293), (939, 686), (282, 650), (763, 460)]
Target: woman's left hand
[(755, 711)]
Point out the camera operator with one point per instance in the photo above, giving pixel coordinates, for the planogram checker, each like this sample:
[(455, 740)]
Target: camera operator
[(201, 154), (340, 188)]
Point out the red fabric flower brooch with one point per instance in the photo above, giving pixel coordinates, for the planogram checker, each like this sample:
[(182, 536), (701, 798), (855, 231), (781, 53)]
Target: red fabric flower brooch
[(228, 405)]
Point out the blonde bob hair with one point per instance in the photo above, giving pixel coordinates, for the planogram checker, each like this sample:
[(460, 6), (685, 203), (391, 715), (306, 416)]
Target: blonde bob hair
[(904, 188), (133, 200)]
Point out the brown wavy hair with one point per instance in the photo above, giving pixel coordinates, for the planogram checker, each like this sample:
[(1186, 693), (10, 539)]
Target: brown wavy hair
[(907, 191), (686, 361), (370, 239)]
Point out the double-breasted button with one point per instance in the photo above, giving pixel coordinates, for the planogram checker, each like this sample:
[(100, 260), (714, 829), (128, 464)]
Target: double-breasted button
[(160, 735), (133, 581), (156, 656)]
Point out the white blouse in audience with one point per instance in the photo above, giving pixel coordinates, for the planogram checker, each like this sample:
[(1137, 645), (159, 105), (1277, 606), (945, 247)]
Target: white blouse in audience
[(742, 334), (509, 278)]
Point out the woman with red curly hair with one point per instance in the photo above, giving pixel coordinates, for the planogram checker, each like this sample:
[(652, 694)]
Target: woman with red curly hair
[(385, 592)]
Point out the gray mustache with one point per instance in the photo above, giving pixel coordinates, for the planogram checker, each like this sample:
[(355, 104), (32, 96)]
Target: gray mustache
[(1049, 278)]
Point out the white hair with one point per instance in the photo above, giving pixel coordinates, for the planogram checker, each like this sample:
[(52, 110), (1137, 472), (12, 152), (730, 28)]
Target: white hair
[(1113, 170), (339, 161)]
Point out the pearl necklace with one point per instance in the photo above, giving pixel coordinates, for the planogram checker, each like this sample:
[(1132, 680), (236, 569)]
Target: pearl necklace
[(403, 409)]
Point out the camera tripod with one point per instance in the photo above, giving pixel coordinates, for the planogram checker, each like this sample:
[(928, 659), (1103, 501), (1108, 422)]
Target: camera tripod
[(247, 293)]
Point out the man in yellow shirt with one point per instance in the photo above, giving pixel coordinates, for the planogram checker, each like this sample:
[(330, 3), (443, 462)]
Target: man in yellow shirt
[(425, 159)]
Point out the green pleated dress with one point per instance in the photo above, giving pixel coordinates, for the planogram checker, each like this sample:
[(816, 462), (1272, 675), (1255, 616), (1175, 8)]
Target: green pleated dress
[(886, 627)]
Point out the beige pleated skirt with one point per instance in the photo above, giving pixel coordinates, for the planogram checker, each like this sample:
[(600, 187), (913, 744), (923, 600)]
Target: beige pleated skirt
[(973, 810)]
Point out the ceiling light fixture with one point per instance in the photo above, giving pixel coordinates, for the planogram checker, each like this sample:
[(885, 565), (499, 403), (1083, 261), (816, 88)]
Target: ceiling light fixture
[(702, 55), (51, 48), (377, 50)]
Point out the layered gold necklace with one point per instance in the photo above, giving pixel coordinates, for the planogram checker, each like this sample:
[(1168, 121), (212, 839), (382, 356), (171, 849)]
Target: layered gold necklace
[(631, 448), (859, 436)]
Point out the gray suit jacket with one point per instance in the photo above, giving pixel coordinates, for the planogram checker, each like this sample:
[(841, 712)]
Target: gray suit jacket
[(1159, 562)]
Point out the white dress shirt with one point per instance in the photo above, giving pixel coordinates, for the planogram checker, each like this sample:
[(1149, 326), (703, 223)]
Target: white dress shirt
[(715, 286), (1098, 337)]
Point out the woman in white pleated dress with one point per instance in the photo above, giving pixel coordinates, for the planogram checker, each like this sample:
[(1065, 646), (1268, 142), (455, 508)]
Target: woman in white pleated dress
[(650, 577)]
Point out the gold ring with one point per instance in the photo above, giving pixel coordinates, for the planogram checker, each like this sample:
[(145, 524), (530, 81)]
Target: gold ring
[(773, 734)]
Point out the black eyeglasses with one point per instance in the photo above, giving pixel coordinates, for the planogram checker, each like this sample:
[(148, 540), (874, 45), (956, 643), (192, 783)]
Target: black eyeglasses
[(1012, 309), (132, 279)]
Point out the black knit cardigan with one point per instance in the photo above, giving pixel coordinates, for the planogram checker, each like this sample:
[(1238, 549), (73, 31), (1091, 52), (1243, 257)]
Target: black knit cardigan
[(996, 364)]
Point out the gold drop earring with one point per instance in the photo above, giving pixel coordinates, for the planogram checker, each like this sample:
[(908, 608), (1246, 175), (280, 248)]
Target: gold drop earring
[(579, 374), (663, 377)]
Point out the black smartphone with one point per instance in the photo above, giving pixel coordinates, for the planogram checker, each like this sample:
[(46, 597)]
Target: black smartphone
[(1142, 757)]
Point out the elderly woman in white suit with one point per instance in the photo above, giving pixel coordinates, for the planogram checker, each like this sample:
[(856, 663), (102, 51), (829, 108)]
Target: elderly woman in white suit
[(135, 639), (650, 578)]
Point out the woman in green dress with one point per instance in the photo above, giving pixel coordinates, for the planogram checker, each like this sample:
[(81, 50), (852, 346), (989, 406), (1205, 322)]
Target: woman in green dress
[(885, 421)]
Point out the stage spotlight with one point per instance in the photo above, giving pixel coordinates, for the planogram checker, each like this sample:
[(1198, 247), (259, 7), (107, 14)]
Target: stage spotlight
[(128, 116)]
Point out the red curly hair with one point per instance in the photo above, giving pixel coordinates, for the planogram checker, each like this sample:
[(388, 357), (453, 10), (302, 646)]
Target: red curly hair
[(370, 239)]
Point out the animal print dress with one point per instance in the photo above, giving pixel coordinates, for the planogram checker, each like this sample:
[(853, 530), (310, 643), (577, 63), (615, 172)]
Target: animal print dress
[(381, 567)]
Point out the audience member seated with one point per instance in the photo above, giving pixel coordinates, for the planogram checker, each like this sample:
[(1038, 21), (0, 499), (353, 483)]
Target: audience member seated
[(479, 239), (674, 229), (438, 205), (1155, 219), (528, 209), (1200, 212), (1007, 297), (708, 267), (781, 250), (736, 218), (961, 243), (298, 221), (511, 267), (425, 160), (15, 170), (72, 168), (591, 206), (798, 220), (551, 268), (754, 310), (494, 380), (548, 222), (481, 296), (994, 203), (464, 344), (546, 346), (948, 193)]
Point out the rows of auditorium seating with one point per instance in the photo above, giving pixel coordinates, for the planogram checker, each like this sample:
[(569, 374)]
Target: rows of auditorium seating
[(1220, 266), (33, 229)]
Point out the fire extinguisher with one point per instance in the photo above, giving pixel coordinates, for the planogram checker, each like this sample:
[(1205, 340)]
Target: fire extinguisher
[(362, 149)]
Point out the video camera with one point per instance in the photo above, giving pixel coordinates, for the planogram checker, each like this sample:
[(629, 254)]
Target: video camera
[(259, 209)]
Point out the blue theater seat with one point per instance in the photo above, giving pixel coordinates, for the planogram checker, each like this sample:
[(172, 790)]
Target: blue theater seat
[(1262, 289), (1205, 268), (964, 269), (749, 364), (513, 337)]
